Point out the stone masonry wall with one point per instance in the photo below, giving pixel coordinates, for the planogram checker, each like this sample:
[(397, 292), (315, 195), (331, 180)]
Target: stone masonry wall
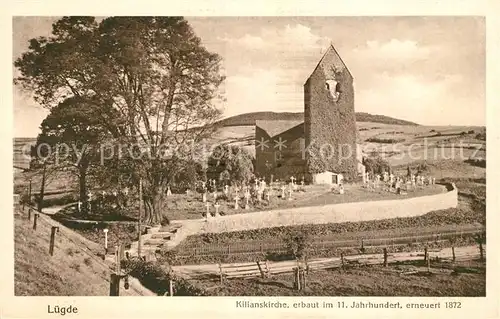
[(335, 213)]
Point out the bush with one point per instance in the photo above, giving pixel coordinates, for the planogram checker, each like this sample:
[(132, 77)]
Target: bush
[(298, 244), (155, 278), (56, 201), (376, 164), (230, 164), (164, 221)]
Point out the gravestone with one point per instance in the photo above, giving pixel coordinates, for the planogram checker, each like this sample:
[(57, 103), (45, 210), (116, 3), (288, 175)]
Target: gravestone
[(169, 192), (341, 189), (204, 197), (208, 208), (236, 198), (247, 198), (90, 202), (226, 190), (217, 205)]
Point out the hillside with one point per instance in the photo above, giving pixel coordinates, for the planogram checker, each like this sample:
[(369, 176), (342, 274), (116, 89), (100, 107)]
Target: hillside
[(250, 118), (73, 270)]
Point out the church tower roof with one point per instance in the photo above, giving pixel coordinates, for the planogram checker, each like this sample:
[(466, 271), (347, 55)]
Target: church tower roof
[(331, 57)]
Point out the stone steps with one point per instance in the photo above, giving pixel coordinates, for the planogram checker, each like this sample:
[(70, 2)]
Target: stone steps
[(154, 241), (163, 235)]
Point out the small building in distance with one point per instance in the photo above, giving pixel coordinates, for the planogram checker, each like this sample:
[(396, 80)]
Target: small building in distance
[(323, 146)]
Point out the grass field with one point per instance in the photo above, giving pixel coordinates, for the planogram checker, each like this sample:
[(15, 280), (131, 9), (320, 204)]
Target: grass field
[(446, 280)]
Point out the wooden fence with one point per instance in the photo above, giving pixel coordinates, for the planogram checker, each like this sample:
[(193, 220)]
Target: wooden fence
[(266, 268), (382, 238)]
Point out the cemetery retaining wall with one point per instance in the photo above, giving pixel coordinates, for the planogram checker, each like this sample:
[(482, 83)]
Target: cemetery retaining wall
[(335, 213)]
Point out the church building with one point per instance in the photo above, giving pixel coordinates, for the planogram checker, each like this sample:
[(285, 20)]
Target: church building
[(322, 147)]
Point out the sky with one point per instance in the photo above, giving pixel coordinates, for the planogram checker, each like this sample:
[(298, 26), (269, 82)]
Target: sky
[(429, 70)]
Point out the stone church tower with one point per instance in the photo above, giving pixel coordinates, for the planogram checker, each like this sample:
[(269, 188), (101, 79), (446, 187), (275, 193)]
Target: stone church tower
[(330, 119)]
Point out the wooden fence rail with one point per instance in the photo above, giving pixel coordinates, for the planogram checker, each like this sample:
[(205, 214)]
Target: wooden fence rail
[(265, 268), (279, 247)]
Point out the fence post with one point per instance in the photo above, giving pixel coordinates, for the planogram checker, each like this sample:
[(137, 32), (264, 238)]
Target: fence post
[(221, 274), (260, 269), (385, 257), (117, 259), (428, 264), (171, 287), (53, 231), (342, 259), (29, 213), (114, 285), (425, 254), (35, 219), (304, 280), (481, 252), (453, 252)]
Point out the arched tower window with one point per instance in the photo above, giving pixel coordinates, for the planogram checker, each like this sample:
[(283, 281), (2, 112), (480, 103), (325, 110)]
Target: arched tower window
[(333, 87)]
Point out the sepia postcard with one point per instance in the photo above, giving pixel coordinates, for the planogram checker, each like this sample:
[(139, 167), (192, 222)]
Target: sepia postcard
[(269, 161)]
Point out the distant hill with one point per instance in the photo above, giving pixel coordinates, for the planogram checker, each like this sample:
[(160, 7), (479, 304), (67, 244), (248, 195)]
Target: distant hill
[(248, 119)]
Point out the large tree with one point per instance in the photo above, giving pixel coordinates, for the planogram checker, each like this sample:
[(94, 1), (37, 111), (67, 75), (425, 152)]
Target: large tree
[(71, 137), (152, 72)]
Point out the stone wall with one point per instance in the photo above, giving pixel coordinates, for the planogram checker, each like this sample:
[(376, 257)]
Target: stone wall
[(335, 213)]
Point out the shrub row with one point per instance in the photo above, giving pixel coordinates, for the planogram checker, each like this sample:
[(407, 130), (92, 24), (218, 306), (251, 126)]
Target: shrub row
[(313, 252), (450, 216), (385, 140)]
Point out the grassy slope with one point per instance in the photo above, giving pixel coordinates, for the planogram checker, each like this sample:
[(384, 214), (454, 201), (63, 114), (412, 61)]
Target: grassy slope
[(69, 272)]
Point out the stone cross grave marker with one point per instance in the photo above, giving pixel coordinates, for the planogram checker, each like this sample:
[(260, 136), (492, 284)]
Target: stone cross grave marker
[(105, 230), (292, 179), (217, 205)]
